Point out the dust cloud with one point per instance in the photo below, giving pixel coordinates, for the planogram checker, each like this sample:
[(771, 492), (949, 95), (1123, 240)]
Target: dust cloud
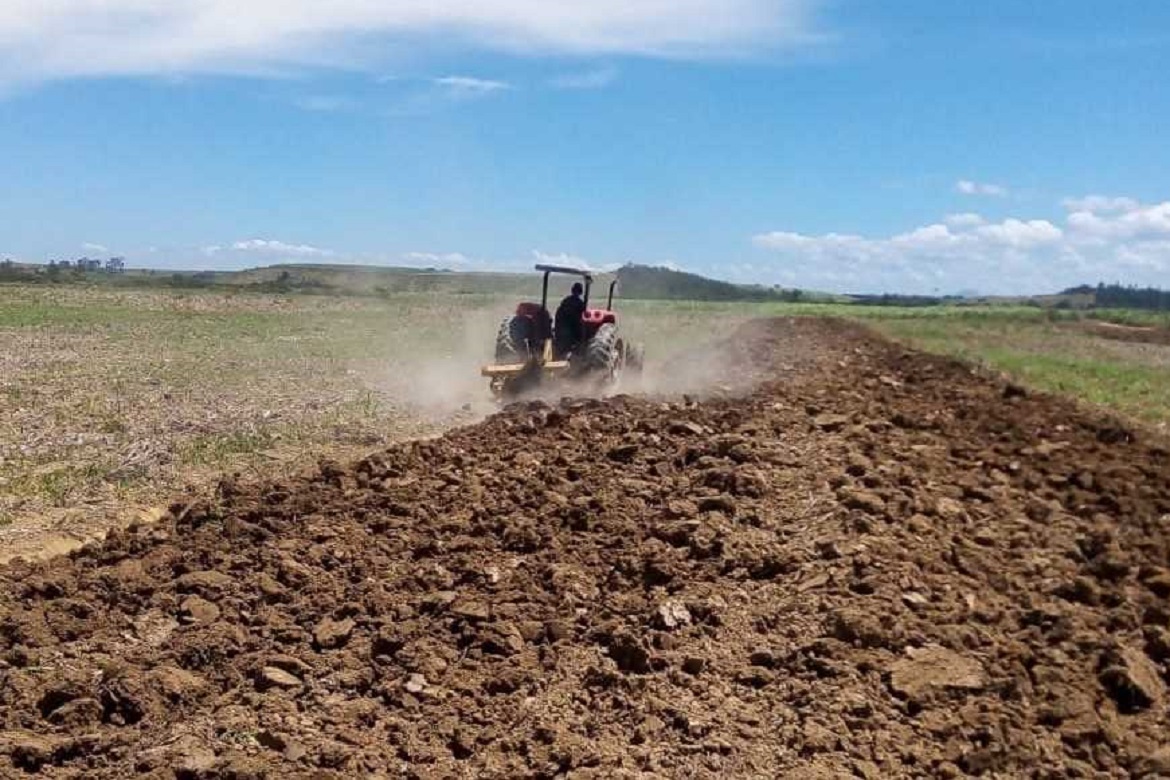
[(440, 384), (713, 356)]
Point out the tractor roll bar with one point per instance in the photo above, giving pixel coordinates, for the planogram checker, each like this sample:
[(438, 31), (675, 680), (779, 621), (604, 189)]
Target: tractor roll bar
[(564, 269), (585, 274)]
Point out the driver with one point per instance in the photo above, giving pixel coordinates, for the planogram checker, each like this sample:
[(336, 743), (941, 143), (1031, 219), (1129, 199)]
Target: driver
[(569, 330)]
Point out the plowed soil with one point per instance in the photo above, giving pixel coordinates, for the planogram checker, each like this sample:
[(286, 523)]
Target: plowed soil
[(875, 564)]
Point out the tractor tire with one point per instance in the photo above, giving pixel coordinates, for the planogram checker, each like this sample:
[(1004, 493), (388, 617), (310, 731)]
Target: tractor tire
[(512, 340), (605, 355)]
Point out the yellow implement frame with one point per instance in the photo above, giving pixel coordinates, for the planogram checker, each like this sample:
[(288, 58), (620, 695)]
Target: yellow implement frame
[(501, 374)]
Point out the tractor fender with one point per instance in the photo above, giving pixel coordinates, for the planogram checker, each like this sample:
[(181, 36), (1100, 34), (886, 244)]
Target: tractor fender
[(595, 318)]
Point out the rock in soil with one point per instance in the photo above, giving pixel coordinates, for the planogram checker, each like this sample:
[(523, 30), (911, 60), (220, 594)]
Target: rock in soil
[(931, 670), (272, 676), (1132, 679)]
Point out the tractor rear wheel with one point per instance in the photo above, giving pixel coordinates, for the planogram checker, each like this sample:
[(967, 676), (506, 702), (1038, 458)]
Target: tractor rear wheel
[(605, 354), (512, 340)]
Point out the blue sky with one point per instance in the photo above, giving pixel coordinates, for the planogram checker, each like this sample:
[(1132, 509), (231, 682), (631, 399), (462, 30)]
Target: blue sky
[(848, 145)]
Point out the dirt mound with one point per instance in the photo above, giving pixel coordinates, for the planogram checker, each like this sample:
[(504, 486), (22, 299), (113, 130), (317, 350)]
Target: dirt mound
[(884, 565)]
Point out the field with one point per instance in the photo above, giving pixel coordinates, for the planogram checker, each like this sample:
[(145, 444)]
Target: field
[(871, 562), (113, 398), (802, 545)]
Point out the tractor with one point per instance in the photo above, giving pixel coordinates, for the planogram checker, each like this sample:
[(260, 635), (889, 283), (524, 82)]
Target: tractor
[(526, 353)]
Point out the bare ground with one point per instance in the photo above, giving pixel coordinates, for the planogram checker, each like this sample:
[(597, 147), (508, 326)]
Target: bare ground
[(880, 564)]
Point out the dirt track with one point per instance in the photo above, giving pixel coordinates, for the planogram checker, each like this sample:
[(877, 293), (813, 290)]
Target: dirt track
[(878, 565)]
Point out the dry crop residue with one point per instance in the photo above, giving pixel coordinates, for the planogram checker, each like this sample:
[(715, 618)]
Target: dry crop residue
[(879, 565)]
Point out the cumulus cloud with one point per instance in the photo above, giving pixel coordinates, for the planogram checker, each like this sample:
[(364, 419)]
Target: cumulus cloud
[(1100, 204), (968, 187), (264, 246), (50, 39), (1019, 234), (560, 258), (603, 267), (1122, 240), (92, 247), (590, 79), (1135, 222)]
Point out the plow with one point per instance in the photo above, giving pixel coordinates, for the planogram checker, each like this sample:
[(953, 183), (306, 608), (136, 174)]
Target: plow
[(581, 347)]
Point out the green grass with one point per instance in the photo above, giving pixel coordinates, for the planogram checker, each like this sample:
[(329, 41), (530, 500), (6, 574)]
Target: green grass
[(1136, 390), (1158, 319), (56, 485), (218, 450), (1131, 379)]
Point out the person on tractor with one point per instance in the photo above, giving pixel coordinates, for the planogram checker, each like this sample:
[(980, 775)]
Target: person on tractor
[(568, 327)]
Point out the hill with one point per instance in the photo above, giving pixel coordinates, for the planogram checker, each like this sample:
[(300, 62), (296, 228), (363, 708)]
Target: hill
[(635, 281), (379, 280), (649, 282)]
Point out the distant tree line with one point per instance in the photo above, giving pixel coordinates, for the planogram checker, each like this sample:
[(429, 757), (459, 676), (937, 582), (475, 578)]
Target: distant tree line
[(22, 272), (889, 299), (1117, 296), (113, 265)]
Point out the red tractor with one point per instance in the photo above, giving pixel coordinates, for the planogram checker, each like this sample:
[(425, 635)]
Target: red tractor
[(526, 351)]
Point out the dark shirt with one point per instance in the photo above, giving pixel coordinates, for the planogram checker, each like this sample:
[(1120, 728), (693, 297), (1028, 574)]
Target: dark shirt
[(568, 325)]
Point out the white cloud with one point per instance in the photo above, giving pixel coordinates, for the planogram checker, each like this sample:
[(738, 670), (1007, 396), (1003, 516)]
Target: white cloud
[(608, 267), (91, 247), (51, 39), (268, 247), (1008, 257), (1100, 204), (1019, 234), (928, 236), (968, 187), (591, 79), (560, 258), (437, 94), (1135, 222), (467, 85)]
